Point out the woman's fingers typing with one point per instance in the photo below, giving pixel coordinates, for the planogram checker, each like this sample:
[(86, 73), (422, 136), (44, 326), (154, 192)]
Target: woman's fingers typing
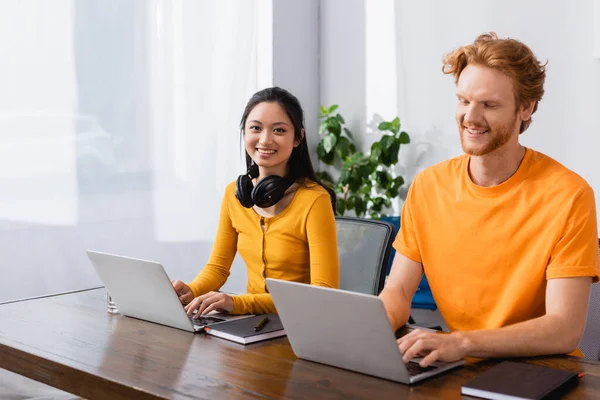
[(208, 302)]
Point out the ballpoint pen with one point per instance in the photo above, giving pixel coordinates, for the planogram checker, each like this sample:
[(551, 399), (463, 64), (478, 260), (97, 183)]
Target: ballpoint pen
[(261, 324)]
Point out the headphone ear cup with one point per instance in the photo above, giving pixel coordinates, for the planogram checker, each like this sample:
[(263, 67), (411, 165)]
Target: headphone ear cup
[(243, 191), (269, 190)]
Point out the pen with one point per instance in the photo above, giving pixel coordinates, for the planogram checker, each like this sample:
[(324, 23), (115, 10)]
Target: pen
[(261, 324)]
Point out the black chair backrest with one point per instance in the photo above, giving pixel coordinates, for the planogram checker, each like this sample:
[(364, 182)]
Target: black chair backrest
[(364, 249)]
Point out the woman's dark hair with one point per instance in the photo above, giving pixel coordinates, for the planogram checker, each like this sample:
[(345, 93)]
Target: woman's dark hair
[(300, 166)]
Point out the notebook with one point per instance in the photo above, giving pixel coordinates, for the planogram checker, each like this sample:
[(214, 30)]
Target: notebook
[(513, 380), (245, 331)]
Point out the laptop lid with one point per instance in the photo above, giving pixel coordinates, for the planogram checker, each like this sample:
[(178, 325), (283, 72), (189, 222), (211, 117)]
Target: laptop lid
[(141, 289), (344, 329)]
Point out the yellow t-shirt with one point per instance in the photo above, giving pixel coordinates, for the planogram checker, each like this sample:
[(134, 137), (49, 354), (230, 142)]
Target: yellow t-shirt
[(488, 251), (299, 244)]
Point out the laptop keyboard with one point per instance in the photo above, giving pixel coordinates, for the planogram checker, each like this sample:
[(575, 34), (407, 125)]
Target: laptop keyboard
[(416, 369), (201, 321)]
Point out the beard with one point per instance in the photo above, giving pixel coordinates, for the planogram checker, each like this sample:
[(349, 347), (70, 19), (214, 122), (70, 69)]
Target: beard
[(497, 137)]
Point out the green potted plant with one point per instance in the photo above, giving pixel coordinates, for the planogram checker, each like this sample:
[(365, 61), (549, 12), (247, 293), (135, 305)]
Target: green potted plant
[(366, 183)]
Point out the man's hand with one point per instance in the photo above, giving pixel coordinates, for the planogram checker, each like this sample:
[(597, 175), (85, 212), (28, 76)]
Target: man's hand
[(210, 301), (432, 346), (183, 291)]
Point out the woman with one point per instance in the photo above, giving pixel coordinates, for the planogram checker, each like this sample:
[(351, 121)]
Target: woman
[(279, 216)]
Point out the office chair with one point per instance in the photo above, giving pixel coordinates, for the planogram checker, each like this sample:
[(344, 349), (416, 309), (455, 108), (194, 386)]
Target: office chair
[(364, 249), (590, 341)]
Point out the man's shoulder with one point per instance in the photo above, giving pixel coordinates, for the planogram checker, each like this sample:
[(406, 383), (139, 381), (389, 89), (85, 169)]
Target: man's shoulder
[(549, 172)]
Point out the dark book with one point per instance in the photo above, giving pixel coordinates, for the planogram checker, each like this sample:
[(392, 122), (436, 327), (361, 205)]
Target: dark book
[(248, 330), (514, 380)]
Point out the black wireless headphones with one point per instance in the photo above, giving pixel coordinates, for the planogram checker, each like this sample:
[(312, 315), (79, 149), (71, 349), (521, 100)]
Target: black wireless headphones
[(267, 192)]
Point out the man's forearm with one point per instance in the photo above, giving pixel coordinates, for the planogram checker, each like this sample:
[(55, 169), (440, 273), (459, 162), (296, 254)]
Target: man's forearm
[(549, 334), (396, 307)]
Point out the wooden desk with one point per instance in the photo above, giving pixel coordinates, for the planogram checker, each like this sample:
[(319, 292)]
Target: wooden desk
[(70, 342)]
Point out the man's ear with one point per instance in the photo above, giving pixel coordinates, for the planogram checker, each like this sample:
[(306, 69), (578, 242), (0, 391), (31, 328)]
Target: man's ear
[(298, 141), (526, 111)]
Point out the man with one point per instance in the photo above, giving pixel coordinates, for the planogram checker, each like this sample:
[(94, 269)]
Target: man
[(506, 235)]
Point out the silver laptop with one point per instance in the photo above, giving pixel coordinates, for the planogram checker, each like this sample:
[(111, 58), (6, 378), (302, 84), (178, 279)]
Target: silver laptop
[(142, 289), (345, 329)]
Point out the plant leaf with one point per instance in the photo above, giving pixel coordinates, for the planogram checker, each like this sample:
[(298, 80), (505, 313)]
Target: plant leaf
[(384, 126), (320, 150), (329, 142), (376, 152), (328, 158), (393, 153), (354, 183), (395, 125), (383, 179), (398, 182), (332, 108), (356, 157), (322, 128), (394, 189), (404, 138), (343, 147), (325, 177), (323, 156), (359, 207), (333, 126), (348, 133), (350, 202), (352, 148), (386, 141), (378, 203), (340, 206)]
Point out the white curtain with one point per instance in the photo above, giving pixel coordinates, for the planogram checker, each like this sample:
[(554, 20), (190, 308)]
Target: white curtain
[(118, 132), (201, 76)]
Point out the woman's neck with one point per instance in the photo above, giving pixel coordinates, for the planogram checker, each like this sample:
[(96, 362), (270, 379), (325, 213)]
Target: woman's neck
[(280, 171)]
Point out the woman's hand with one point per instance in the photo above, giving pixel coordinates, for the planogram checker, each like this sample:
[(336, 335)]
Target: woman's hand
[(183, 291), (221, 302)]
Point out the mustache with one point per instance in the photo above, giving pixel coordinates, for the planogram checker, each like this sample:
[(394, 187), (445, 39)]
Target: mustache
[(472, 126)]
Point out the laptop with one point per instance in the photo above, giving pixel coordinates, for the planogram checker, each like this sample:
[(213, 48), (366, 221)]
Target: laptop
[(345, 329), (141, 289)]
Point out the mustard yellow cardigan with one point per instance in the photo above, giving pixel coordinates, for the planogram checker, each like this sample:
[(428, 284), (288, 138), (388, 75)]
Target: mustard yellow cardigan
[(299, 244)]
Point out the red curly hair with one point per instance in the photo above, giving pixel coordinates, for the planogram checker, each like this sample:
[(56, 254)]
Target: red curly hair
[(509, 56)]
